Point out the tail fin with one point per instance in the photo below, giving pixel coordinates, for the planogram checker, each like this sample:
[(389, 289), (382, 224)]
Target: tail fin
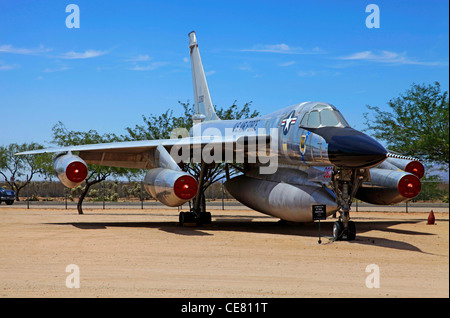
[(203, 104)]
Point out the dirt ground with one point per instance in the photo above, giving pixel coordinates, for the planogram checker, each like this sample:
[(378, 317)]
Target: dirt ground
[(143, 253)]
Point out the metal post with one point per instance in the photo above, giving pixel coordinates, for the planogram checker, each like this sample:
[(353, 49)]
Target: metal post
[(320, 240), (223, 207), (142, 197), (103, 194), (356, 205), (65, 194), (406, 206), (28, 198)]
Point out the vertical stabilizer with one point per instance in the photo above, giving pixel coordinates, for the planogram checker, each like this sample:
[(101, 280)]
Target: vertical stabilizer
[(203, 104)]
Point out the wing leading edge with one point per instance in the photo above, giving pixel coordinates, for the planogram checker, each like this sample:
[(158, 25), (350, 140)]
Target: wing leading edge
[(140, 154)]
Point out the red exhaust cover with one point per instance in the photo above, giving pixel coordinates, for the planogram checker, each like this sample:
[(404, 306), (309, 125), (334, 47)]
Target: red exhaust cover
[(76, 171), (185, 187), (416, 168), (409, 186)]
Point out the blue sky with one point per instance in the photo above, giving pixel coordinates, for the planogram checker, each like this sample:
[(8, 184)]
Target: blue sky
[(131, 58)]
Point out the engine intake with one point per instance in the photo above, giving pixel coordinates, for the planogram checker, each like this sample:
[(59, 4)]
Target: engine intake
[(170, 187), (389, 187), (407, 164), (71, 170)]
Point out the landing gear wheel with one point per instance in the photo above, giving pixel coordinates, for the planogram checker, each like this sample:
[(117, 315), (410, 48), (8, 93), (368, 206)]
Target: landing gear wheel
[(191, 218), (187, 219), (204, 218), (338, 230), (351, 233)]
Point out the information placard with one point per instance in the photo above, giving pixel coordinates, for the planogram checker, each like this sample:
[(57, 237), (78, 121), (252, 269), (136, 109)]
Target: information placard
[(319, 212)]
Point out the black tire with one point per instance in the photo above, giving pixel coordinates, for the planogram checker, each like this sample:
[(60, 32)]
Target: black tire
[(181, 218), (338, 230), (187, 219), (9, 202), (351, 235), (205, 218)]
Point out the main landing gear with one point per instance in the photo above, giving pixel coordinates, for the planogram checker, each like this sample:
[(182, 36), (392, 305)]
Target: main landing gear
[(197, 215), (345, 184), (194, 219)]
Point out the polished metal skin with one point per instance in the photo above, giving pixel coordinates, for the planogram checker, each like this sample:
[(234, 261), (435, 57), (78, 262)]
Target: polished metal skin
[(293, 158), (404, 163), (288, 201), (161, 184), (388, 187), (71, 170)]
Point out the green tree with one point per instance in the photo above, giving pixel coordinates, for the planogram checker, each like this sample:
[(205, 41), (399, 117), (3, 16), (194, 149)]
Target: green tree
[(160, 127), (21, 169), (417, 125), (64, 137), (431, 190)]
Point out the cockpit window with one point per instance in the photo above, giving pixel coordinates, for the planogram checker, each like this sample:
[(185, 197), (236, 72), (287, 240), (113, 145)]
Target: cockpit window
[(322, 116), (304, 120), (341, 118), (328, 118), (314, 119)]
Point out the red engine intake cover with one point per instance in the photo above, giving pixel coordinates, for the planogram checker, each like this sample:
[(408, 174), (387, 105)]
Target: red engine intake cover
[(185, 187), (416, 168), (76, 171), (409, 186)]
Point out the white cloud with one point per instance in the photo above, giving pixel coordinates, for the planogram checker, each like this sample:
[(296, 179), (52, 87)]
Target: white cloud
[(286, 64), (8, 48), (6, 67), (306, 73), (245, 67), (57, 69), (140, 58), (208, 73), (322, 73), (282, 49), (149, 67), (387, 57), (82, 55)]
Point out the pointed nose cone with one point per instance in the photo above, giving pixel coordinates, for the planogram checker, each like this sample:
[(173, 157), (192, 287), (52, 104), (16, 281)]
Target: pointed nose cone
[(350, 148)]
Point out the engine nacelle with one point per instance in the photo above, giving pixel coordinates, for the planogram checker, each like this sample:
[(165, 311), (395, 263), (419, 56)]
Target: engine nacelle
[(170, 187), (407, 164), (287, 201), (71, 170), (388, 187)]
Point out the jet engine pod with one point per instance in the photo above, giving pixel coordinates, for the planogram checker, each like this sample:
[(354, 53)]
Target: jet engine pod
[(290, 202), (409, 165), (170, 187), (389, 187), (71, 170)]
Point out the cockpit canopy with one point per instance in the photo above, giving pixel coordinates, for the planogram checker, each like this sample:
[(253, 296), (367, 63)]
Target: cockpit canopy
[(323, 115)]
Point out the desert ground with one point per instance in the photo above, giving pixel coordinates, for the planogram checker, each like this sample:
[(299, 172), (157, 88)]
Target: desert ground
[(144, 253)]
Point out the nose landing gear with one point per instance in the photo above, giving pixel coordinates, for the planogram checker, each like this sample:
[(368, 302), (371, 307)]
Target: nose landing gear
[(345, 184)]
